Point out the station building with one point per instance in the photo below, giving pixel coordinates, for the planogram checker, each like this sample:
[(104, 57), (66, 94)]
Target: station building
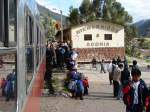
[(99, 39)]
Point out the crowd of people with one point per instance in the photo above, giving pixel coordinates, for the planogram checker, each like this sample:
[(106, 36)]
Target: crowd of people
[(129, 86), (62, 56), (8, 86), (58, 55)]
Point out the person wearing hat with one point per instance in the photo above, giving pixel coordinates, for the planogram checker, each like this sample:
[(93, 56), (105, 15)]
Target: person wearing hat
[(135, 93)]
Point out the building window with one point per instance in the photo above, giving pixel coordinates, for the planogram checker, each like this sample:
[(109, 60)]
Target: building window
[(88, 37), (108, 37)]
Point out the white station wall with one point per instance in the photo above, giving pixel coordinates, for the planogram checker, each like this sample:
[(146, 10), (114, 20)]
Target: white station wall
[(79, 42)]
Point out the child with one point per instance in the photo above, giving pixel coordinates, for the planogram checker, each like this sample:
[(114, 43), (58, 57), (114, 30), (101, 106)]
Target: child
[(3, 86), (79, 88), (86, 85), (135, 93)]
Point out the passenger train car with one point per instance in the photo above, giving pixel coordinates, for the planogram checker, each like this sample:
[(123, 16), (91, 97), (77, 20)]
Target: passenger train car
[(22, 35)]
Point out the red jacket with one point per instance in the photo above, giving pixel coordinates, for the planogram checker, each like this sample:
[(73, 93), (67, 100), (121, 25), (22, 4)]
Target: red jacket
[(86, 83)]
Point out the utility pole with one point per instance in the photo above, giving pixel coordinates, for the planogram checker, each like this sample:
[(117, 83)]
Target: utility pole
[(61, 38)]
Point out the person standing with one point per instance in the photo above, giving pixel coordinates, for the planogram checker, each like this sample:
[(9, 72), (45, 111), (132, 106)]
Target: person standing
[(117, 80), (103, 66), (110, 67), (61, 56), (125, 75), (118, 60), (49, 55), (9, 87), (134, 66), (86, 85), (94, 63), (135, 93)]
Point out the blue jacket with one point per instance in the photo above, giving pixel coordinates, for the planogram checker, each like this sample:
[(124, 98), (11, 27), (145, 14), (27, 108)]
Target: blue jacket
[(9, 87), (80, 87)]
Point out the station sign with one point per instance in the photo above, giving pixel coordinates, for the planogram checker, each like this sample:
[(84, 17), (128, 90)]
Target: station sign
[(98, 26), (97, 44)]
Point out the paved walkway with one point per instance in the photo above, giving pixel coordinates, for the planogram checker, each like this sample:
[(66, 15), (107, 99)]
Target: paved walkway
[(100, 98)]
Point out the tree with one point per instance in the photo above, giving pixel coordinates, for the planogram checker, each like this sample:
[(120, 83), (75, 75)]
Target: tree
[(74, 16), (86, 12), (107, 9), (96, 7), (130, 34), (49, 25), (114, 12)]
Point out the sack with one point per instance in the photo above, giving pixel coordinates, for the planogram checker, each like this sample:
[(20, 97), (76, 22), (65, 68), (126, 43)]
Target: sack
[(72, 85), (62, 51), (110, 68)]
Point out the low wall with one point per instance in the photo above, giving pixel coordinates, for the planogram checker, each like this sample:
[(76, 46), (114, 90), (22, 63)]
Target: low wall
[(87, 54)]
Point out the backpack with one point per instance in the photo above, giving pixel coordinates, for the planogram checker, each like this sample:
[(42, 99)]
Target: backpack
[(147, 103), (62, 51), (126, 94)]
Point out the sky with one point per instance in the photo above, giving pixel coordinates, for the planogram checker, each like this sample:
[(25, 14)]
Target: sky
[(139, 9)]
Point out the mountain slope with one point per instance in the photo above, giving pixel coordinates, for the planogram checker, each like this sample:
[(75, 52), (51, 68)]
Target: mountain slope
[(46, 12), (143, 27)]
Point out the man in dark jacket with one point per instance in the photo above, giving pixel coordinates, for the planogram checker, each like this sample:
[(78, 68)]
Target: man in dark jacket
[(135, 66), (125, 75), (135, 93)]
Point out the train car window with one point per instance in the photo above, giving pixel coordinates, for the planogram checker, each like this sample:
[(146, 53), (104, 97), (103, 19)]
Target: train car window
[(8, 23), (40, 45), (37, 35), (1, 22), (4, 23), (37, 48), (30, 31), (12, 22), (29, 50)]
